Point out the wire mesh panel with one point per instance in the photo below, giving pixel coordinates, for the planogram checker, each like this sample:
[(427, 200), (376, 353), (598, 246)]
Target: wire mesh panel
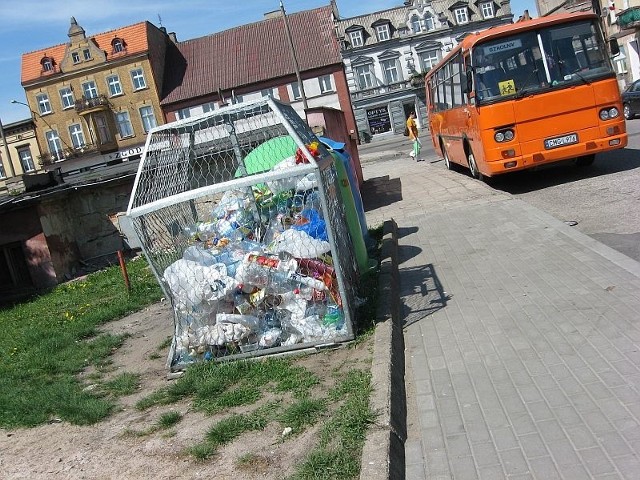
[(240, 217)]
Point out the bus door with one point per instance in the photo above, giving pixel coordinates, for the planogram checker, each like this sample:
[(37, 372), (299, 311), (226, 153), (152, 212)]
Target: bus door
[(451, 104)]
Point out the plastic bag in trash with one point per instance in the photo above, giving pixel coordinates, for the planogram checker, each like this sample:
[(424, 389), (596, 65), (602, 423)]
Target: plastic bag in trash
[(299, 244), (192, 283), (311, 222)]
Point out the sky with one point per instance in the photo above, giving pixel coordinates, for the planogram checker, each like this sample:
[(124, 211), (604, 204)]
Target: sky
[(29, 25)]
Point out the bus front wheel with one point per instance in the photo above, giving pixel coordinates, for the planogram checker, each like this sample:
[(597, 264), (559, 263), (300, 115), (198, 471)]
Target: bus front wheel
[(473, 166)]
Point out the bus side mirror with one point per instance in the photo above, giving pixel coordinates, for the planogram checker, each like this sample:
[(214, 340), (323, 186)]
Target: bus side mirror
[(614, 47)]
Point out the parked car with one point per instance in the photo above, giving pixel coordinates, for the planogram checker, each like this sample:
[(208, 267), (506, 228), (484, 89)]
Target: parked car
[(631, 100)]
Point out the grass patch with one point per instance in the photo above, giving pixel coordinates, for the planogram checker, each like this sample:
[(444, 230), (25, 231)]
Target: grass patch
[(122, 385), (169, 419), (48, 340), (303, 413)]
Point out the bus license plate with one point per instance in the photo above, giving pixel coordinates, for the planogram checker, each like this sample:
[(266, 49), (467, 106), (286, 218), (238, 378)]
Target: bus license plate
[(561, 141)]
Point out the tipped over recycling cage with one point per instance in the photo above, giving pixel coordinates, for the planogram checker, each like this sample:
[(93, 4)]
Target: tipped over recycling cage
[(239, 213)]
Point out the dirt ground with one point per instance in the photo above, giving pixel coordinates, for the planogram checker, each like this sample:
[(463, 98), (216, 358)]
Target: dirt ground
[(104, 451)]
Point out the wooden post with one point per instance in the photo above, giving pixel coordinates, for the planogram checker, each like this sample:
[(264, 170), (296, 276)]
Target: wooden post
[(123, 268)]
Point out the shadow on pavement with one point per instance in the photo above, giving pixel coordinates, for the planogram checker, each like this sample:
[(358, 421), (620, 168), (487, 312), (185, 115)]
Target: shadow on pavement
[(380, 192), (424, 280), (566, 172)]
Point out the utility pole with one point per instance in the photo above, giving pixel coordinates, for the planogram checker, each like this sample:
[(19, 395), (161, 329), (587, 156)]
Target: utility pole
[(295, 59)]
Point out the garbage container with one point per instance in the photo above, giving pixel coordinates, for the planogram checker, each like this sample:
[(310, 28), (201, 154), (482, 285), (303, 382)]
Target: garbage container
[(240, 216)]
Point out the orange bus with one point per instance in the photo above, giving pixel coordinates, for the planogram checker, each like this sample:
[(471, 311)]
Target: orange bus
[(526, 94)]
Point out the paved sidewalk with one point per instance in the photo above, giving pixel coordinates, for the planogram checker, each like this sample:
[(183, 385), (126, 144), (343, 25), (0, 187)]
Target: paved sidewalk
[(522, 335)]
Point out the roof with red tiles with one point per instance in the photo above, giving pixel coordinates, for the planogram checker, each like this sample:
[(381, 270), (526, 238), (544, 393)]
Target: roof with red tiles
[(250, 54), (135, 37)]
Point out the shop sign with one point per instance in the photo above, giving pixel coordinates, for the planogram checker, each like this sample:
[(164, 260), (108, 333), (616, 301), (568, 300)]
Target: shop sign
[(124, 154), (379, 120)]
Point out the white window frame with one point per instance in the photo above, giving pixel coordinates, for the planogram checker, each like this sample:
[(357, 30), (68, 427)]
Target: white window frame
[(390, 71), (77, 135), (296, 94), (86, 53), (26, 159), (54, 144), (416, 24), (123, 121), (364, 77), (429, 23), (66, 98), (2, 172), (487, 10), (90, 89), (114, 85), (382, 32), (428, 59), (75, 57), (325, 84), (267, 92), (137, 79), (183, 113), (208, 107), (118, 46), (44, 105), (356, 38), (148, 118), (462, 15), (47, 65)]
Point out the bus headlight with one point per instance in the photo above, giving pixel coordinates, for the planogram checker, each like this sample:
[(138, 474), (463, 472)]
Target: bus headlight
[(609, 113), (504, 136)]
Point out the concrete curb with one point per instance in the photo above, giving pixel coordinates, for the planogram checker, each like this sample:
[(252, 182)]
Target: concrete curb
[(383, 451)]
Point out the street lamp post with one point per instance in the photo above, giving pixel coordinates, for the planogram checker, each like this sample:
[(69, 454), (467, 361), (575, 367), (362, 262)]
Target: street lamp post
[(6, 150)]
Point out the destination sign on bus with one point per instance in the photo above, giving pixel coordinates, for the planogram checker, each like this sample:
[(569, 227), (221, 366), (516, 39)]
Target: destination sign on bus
[(502, 47)]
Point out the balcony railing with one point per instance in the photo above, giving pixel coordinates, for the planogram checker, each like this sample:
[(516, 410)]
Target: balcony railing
[(382, 89), (49, 158), (99, 102), (629, 18)]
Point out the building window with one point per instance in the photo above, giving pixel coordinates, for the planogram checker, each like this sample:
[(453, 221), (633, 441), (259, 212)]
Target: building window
[(382, 32), (90, 90), (365, 79), (357, 39), (47, 64), (183, 113), (124, 124), (415, 24), (115, 88), (87, 54), (137, 77), (295, 90), (26, 160), (118, 45), (148, 118), (44, 105), (77, 136), (462, 15), (54, 144), (266, 93), (208, 107), (325, 84), (66, 98), (487, 10), (429, 23), (2, 172), (428, 60), (390, 71), (75, 56), (236, 99)]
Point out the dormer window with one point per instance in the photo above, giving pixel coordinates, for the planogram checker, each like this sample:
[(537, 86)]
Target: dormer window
[(47, 64), (356, 37), (487, 10), (382, 32), (118, 45), (462, 15), (415, 24), (429, 23)]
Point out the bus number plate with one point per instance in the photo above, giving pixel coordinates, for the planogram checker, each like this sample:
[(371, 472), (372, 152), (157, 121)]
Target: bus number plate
[(561, 141)]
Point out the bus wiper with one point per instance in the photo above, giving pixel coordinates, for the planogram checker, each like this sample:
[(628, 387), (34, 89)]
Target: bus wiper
[(584, 80), (521, 92)]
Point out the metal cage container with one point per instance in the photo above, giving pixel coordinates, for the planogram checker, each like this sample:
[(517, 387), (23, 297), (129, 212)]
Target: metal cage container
[(239, 213)]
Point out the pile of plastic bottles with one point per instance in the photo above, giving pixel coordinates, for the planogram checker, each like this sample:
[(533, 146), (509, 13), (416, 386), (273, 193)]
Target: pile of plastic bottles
[(258, 274)]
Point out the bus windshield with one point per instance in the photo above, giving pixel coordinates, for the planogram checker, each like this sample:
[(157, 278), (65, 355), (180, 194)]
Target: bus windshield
[(539, 60)]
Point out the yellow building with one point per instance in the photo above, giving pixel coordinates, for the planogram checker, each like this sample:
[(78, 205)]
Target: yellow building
[(18, 153), (93, 99)]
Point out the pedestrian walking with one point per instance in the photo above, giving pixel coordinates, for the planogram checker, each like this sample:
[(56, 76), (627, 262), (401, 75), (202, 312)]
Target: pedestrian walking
[(414, 136)]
